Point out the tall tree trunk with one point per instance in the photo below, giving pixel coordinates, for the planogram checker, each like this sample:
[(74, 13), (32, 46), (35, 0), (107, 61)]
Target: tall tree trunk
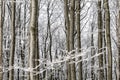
[(37, 47), (92, 53), (71, 38), (50, 36), (118, 42), (1, 28), (66, 15), (104, 50), (49, 31), (78, 38), (33, 37), (101, 71), (45, 57), (108, 39), (67, 26), (20, 33), (118, 46), (12, 50)]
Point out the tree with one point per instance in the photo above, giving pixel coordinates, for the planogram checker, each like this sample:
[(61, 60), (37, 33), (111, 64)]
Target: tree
[(108, 39), (67, 26), (33, 37), (104, 46), (1, 40), (92, 52), (118, 42), (12, 50), (37, 45), (49, 34), (78, 37), (101, 71), (71, 38)]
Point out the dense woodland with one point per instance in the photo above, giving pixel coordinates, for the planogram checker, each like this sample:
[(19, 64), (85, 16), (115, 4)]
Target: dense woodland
[(59, 39)]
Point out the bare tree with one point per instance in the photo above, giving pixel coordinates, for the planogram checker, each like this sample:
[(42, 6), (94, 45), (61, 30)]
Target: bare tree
[(1, 40), (92, 52), (33, 37), (108, 39), (12, 50), (104, 46), (67, 26), (71, 38), (118, 42), (49, 34), (101, 70), (37, 56), (79, 37)]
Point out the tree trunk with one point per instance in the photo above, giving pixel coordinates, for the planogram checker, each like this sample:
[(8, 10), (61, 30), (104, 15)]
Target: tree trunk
[(108, 39), (50, 37), (118, 42), (78, 38), (104, 50), (92, 53), (49, 31), (101, 70), (33, 37), (1, 28), (67, 26), (12, 50), (37, 47), (20, 52), (71, 38), (45, 57)]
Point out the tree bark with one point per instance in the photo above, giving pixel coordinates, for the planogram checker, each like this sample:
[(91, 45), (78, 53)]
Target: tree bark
[(50, 36), (67, 26), (101, 70), (108, 39), (12, 50), (118, 45), (37, 56), (71, 38), (1, 28), (78, 38), (33, 37), (104, 50), (118, 42), (92, 52)]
